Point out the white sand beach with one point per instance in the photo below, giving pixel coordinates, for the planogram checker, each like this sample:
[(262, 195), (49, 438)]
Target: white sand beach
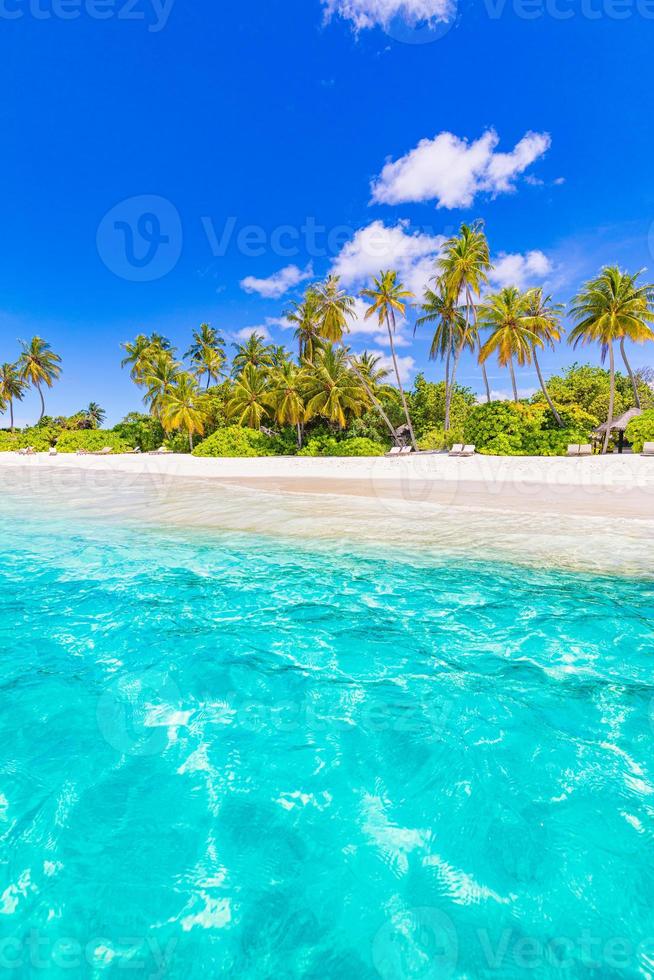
[(599, 486)]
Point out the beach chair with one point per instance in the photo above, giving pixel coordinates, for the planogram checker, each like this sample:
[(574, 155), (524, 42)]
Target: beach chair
[(573, 450), (456, 450), (395, 451), (648, 449), (161, 451), (105, 451), (52, 451), (468, 451), (585, 449), (82, 452), (405, 450)]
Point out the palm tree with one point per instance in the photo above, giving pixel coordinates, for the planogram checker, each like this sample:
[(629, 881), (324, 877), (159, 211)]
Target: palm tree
[(160, 376), (305, 316), (285, 396), (179, 409), (249, 399), (12, 387), (544, 319), (39, 365), (608, 308), (207, 352), (504, 315), (332, 389), (439, 307), (334, 307), (254, 353), (95, 415), (368, 365), (464, 266), (388, 297)]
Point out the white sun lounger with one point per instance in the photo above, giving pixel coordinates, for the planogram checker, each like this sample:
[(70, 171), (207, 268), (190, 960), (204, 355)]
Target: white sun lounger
[(648, 449), (585, 449), (456, 450), (161, 451), (573, 450), (395, 451), (468, 451)]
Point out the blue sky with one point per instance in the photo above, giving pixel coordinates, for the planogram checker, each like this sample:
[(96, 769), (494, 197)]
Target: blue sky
[(163, 159)]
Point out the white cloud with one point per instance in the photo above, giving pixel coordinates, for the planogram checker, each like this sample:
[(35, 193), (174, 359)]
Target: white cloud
[(378, 246), (364, 14), (506, 394), (279, 283), (530, 269), (247, 332), (452, 171), (370, 331), (406, 365)]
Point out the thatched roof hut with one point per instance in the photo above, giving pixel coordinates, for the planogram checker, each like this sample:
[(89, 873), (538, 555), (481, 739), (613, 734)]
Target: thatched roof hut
[(618, 425)]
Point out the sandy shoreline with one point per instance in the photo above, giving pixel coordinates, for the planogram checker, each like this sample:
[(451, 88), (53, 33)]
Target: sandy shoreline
[(610, 486)]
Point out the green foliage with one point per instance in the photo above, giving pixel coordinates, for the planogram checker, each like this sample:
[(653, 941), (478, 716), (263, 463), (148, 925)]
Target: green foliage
[(523, 429), (141, 431), (428, 406), (235, 440), (9, 441), (438, 439), (93, 440), (641, 430), (213, 405), (587, 387), (327, 445), (40, 438)]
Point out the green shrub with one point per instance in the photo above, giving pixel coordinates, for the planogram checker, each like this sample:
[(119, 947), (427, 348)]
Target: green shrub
[(323, 445), (9, 441), (38, 437), (439, 439), (140, 431), (235, 441), (641, 430), (93, 440)]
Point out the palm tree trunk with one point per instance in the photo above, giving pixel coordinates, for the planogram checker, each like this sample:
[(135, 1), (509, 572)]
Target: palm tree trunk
[(559, 420), (609, 421), (38, 388), (483, 365), (190, 440), (631, 373), (399, 383), (457, 354), (351, 361), (11, 414), (515, 387), (298, 426)]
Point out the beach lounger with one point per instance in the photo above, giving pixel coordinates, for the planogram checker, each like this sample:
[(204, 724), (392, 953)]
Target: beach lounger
[(395, 451), (468, 451), (586, 450), (82, 452), (648, 449), (572, 450), (52, 451), (405, 450), (106, 451), (161, 451), (456, 450), (25, 451)]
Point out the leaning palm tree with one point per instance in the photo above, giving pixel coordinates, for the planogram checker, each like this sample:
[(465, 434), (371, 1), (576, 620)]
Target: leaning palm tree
[(504, 315), (439, 307), (544, 319), (609, 308), (463, 267), (370, 367), (255, 352), (285, 396), (160, 376), (12, 388), (39, 365), (179, 409), (249, 401), (306, 319), (332, 389), (387, 298), (334, 310)]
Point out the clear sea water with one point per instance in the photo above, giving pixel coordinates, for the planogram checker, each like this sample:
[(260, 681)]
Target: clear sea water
[(236, 754)]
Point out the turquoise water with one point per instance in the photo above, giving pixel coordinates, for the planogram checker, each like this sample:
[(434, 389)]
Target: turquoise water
[(224, 755)]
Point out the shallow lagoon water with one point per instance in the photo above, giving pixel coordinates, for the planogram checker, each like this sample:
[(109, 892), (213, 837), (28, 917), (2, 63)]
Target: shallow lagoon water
[(259, 751)]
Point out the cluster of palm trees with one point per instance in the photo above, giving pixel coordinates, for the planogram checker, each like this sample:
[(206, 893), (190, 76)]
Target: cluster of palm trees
[(37, 366), (609, 309), (266, 383)]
